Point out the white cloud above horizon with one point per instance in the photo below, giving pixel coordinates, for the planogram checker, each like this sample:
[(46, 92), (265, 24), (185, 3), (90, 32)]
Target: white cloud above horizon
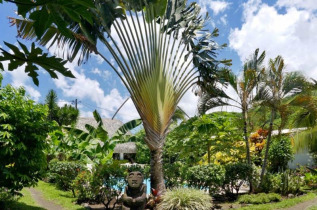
[(291, 34)]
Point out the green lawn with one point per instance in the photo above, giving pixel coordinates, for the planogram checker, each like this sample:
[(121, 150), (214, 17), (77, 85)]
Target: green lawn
[(26, 202), (63, 198), (283, 204)]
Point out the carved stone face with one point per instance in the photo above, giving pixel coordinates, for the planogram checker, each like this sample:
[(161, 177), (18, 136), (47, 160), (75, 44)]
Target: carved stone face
[(135, 179)]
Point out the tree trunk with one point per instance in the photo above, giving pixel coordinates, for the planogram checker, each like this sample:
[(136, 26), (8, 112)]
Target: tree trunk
[(246, 138), (247, 145), (157, 177), (267, 146), (208, 151)]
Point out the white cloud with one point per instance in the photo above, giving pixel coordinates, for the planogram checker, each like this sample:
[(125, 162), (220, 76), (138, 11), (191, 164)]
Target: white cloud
[(216, 6), (20, 78), (92, 96), (189, 103), (291, 34), (98, 58), (300, 4)]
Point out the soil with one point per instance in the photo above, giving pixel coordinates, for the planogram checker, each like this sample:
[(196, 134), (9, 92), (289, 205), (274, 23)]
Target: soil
[(38, 197)]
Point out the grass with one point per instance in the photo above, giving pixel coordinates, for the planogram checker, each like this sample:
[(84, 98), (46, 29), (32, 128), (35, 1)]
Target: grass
[(63, 198), (26, 202), (260, 198), (283, 204)]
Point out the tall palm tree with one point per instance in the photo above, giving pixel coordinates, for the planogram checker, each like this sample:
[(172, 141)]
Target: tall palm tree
[(276, 86), (161, 52), (244, 86)]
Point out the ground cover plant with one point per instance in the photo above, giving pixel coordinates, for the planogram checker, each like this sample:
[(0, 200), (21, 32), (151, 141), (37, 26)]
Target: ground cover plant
[(185, 198), (260, 198)]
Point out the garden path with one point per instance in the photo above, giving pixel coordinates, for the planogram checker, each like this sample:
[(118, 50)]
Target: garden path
[(39, 199), (303, 206)]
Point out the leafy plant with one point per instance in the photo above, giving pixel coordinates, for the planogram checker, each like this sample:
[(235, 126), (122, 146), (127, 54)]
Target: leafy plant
[(185, 199), (311, 180), (236, 175), (63, 173), (206, 177), (280, 153), (104, 184), (284, 183), (259, 198), (33, 60), (23, 131)]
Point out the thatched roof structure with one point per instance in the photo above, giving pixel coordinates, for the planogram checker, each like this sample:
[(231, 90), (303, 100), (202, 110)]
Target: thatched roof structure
[(111, 126), (127, 148)]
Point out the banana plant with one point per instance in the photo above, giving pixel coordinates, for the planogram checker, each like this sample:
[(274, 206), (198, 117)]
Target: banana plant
[(91, 146), (161, 51)]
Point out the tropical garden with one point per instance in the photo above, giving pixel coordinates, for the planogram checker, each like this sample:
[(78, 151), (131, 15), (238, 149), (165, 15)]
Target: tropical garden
[(214, 160)]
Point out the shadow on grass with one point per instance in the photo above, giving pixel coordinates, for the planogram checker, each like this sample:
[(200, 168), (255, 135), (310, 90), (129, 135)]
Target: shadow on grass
[(16, 205)]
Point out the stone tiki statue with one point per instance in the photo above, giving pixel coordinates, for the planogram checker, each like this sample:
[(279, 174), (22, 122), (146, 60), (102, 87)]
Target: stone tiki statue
[(134, 197)]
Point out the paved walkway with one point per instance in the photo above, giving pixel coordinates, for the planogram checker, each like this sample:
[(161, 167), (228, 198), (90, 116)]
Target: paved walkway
[(304, 205), (38, 197)]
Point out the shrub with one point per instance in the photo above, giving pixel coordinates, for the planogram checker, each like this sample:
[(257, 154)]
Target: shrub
[(23, 131), (236, 175), (185, 199), (280, 153), (284, 183), (311, 179), (174, 174), (259, 198), (206, 177), (105, 183), (6, 197), (63, 173)]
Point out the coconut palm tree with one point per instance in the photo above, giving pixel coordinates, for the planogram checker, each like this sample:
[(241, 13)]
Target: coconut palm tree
[(161, 51)]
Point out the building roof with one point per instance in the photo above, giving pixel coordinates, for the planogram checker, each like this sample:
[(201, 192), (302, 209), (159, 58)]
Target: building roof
[(129, 147)]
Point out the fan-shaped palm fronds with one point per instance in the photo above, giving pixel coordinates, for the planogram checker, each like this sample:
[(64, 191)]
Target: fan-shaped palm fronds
[(161, 50)]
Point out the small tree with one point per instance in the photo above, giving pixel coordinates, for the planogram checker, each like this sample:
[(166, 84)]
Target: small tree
[(23, 129)]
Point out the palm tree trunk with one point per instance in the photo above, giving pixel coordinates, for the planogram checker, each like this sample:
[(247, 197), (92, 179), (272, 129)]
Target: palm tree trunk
[(267, 146), (157, 176), (246, 138), (247, 145)]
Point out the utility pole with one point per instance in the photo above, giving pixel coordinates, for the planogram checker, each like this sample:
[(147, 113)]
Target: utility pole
[(76, 103)]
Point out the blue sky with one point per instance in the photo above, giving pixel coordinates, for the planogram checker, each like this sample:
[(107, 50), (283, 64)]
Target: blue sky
[(281, 27)]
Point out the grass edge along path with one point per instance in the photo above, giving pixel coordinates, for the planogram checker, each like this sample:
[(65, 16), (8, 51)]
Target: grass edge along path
[(283, 204), (26, 202), (63, 198)]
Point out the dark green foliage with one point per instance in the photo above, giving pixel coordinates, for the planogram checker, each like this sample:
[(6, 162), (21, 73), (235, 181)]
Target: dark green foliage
[(280, 153), (236, 175), (259, 198), (33, 60), (63, 173), (191, 140), (23, 130), (206, 177), (65, 115), (143, 152), (102, 185), (175, 174), (311, 179), (283, 183)]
